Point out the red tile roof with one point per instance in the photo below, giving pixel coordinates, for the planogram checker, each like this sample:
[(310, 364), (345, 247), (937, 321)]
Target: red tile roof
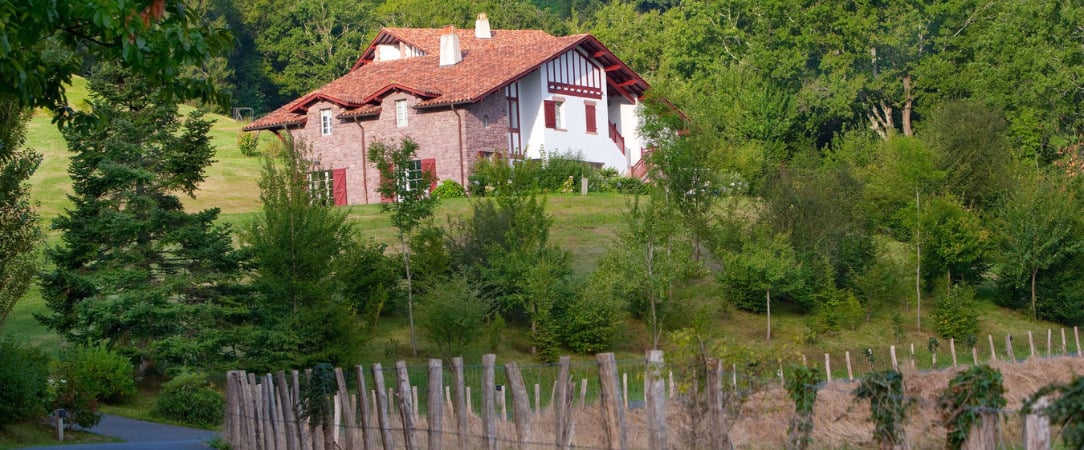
[(487, 65)]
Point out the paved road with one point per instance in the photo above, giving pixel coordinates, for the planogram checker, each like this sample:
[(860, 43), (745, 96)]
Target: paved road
[(138, 434)]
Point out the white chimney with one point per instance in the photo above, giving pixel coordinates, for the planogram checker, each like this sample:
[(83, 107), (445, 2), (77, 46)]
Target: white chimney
[(450, 53), (481, 27)]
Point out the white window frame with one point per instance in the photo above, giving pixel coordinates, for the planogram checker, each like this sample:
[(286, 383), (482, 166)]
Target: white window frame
[(325, 122), (558, 118), (322, 187), (401, 116), (414, 176)]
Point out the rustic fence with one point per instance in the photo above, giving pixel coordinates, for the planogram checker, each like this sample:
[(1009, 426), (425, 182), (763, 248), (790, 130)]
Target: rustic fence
[(513, 406)]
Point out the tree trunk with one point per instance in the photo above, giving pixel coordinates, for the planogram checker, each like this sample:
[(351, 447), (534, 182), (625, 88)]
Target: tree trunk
[(410, 294), (651, 277), (918, 261), (1034, 308), (908, 103)]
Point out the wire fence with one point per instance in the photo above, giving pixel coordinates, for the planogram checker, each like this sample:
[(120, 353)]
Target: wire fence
[(629, 403)]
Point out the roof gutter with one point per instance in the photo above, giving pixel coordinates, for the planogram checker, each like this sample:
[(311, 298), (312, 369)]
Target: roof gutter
[(462, 163)]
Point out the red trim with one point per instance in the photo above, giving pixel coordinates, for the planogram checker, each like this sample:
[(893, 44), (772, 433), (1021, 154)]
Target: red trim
[(549, 110), (338, 183), (592, 119), (398, 87), (304, 103), (578, 91), (429, 166)]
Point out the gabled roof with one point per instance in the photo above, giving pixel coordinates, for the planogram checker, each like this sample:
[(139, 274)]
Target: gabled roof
[(487, 65)]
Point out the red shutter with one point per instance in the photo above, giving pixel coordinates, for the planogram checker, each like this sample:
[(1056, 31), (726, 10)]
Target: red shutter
[(592, 126), (429, 167), (549, 111), (338, 186), (384, 198)]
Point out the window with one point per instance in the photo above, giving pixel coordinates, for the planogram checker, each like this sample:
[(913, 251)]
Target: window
[(485, 121), (325, 122), (552, 113), (513, 115), (400, 113), (419, 171), (413, 174), (589, 111), (321, 187)]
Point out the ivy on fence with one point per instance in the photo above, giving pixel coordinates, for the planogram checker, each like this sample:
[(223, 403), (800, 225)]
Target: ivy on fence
[(887, 406), (971, 394)]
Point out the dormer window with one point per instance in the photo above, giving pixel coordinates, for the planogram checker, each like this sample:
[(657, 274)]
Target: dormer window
[(400, 113), (325, 122)]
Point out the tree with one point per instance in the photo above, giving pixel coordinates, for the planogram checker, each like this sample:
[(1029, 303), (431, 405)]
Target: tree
[(19, 231), (300, 316), (1037, 228), (151, 38), (135, 270), (452, 314), (764, 264), (410, 204)]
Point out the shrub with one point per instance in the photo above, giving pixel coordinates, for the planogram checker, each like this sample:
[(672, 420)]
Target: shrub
[(85, 376), (190, 399), (23, 375), (954, 315), (100, 371), (590, 323), (248, 143), (449, 189), (452, 314)]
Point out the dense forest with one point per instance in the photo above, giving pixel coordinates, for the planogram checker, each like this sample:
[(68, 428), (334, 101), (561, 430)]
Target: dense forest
[(833, 158)]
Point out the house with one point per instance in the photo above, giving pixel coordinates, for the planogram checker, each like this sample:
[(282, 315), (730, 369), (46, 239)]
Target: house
[(464, 95)]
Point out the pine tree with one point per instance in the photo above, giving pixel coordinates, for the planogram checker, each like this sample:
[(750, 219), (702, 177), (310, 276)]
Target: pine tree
[(135, 270)]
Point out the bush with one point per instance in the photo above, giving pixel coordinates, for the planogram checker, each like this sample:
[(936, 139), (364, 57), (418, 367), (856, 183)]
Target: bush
[(449, 189), (590, 323), (23, 375), (452, 314), (98, 370), (248, 143), (954, 315), (190, 399), (85, 376)]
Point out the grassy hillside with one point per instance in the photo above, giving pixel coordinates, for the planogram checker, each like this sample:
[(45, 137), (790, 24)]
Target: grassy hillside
[(585, 226)]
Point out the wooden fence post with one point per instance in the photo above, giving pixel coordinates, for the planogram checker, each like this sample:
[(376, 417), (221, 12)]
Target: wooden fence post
[(1049, 342), (304, 432), (289, 418), (489, 425), (406, 405), (1008, 348), (719, 438), (1031, 344), (975, 355), (521, 405), (952, 349), (847, 356), (1037, 427), (583, 392), (460, 398), (559, 404), (1076, 337), (913, 365), (382, 416), (892, 353), (610, 397), (366, 422), (248, 424), (349, 415), (537, 399), (993, 354), (1064, 345), (436, 405), (983, 434), (655, 400), (828, 367)]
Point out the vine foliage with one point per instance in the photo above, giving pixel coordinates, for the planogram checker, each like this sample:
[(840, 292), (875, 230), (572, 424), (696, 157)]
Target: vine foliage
[(970, 394), (887, 406), (1067, 410), (802, 384)]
